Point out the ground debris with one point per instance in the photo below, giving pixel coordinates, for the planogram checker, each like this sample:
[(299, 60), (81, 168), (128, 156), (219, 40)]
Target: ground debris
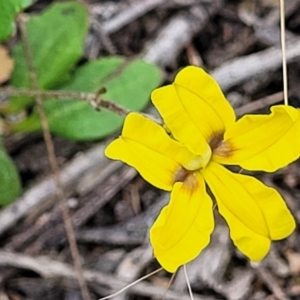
[(111, 206)]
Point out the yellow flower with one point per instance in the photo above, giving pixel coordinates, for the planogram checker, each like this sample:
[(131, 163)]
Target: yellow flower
[(205, 135)]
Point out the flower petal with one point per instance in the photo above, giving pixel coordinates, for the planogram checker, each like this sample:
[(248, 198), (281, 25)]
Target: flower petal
[(193, 107), (264, 142), (146, 146), (183, 227), (255, 213)]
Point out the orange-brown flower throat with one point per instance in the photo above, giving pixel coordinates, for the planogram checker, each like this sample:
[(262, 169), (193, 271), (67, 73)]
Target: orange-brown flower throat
[(218, 146), (187, 177)]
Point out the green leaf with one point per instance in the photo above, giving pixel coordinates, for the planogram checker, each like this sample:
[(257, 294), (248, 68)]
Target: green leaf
[(128, 84), (56, 40), (8, 12), (10, 186)]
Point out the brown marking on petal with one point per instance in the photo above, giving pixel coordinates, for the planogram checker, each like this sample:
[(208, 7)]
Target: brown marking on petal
[(191, 182), (181, 175), (224, 150), (216, 140), (187, 177), (219, 146)]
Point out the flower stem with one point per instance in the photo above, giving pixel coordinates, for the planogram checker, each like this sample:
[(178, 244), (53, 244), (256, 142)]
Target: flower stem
[(283, 48), (94, 99)]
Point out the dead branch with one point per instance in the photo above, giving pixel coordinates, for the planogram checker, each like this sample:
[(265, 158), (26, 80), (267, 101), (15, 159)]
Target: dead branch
[(109, 188), (259, 104), (178, 33), (239, 70), (72, 177), (132, 232), (132, 12)]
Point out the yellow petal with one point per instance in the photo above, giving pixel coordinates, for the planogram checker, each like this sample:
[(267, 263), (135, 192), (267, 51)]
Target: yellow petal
[(255, 213), (264, 142), (193, 108), (279, 219), (146, 146), (183, 227)]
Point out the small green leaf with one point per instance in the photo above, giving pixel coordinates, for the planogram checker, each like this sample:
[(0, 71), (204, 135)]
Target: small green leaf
[(127, 84), (8, 12), (10, 186), (56, 40)]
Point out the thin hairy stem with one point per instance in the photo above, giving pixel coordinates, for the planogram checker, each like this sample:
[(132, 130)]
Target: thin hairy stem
[(188, 282), (169, 284), (283, 48), (93, 99), (131, 284), (54, 164)]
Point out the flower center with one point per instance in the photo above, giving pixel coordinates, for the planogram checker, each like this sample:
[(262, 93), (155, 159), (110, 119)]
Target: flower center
[(198, 162), (186, 173)]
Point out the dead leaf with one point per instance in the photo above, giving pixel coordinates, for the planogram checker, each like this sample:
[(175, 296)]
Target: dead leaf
[(6, 65)]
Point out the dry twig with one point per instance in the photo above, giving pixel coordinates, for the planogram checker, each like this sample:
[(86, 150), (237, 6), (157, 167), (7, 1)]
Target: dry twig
[(54, 164), (259, 104), (271, 282)]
